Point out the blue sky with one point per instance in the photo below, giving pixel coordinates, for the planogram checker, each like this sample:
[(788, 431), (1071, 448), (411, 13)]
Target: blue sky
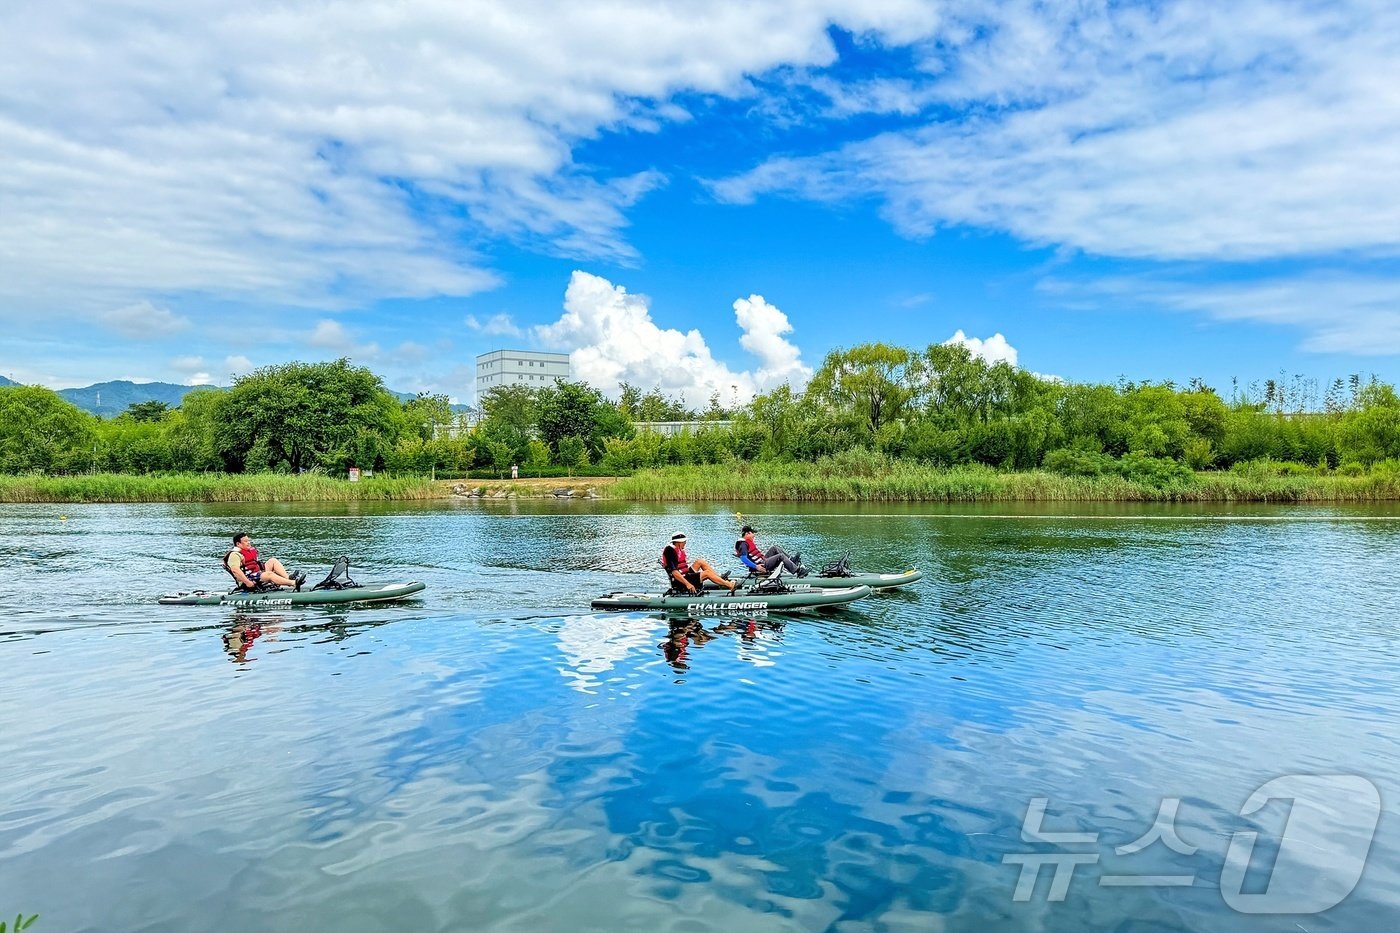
[(699, 196)]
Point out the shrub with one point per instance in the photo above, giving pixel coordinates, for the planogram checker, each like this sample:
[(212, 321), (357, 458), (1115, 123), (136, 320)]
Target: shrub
[(1069, 461), (1155, 471)]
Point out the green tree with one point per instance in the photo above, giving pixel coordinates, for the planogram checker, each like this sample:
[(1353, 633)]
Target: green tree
[(146, 411), (424, 414), (508, 419), (573, 452), (39, 430), (300, 415), (574, 409), (1370, 432), (191, 429), (872, 383)]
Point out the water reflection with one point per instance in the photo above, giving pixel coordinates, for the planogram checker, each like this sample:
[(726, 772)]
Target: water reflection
[(245, 630), (685, 634)]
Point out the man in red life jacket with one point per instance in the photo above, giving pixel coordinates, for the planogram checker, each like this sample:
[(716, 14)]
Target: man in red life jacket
[(761, 561), (689, 573), (243, 565)]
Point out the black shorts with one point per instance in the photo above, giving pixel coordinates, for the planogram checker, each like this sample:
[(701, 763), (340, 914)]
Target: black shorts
[(693, 576)]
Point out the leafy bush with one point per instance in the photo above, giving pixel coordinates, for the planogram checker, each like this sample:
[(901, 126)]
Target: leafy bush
[(1155, 471), (1069, 461)]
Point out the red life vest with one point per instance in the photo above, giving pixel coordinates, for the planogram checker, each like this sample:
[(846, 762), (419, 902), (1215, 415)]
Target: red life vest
[(681, 563), (250, 560), (754, 553)]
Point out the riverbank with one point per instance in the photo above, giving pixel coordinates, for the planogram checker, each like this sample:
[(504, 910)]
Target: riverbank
[(272, 487), (909, 482), (762, 482)]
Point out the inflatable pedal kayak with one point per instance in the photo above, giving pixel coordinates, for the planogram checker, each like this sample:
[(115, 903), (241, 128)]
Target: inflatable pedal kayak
[(876, 581), (368, 593), (708, 602)]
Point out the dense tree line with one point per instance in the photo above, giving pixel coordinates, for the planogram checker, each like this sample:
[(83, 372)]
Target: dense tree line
[(940, 406)]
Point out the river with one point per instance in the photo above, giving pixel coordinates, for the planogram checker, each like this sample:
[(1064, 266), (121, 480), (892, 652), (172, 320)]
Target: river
[(493, 755)]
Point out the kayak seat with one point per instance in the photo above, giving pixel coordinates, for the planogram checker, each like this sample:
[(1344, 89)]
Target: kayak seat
[(837, 568), (333, 581)]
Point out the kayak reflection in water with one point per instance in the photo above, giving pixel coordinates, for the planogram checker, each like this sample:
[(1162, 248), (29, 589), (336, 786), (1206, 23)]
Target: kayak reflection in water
[(686, 632), (251, 574)]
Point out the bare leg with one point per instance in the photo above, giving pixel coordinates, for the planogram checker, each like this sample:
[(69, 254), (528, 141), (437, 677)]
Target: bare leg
[(707, 572), (281, 579)]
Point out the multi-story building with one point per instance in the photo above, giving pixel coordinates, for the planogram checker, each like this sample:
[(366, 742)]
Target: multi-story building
[(519, 368)]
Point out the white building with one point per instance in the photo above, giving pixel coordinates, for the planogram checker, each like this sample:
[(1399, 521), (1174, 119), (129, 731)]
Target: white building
[(519, 368)]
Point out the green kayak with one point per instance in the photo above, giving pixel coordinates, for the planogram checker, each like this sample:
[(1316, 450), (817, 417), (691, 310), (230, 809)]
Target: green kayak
[(743, 602), (350, 596), (876, 581)]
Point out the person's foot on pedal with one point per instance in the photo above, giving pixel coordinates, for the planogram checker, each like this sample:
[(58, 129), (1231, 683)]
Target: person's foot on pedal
[(802, 571)]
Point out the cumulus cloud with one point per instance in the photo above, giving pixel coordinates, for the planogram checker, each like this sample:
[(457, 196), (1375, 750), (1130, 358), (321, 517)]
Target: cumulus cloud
[(779, 361), (498, 325), (238, 364), (144, 320), (1186, 130), (993, 349), (611, 338)]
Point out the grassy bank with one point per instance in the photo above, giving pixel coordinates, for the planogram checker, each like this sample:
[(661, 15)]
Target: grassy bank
[(774, 482), (209, 487), (910, 482)]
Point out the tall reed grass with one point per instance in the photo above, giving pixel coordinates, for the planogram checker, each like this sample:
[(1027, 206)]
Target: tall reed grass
[(909, 482), (209, 487)]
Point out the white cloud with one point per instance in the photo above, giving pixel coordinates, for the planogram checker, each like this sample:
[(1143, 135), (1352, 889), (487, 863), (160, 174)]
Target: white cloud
[(330, 335), (144, 320), (199, 379), (778, 360), (611, 338), (332, 154), (993, 349), (187, 363), (499, 325), (1186, 130), (1336, 313), (238, 364)]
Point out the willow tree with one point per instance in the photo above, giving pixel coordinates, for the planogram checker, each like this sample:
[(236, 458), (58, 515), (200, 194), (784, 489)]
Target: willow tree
[(872, 384), (40, 430)]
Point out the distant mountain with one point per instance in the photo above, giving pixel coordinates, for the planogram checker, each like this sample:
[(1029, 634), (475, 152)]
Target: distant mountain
[(109, 399)]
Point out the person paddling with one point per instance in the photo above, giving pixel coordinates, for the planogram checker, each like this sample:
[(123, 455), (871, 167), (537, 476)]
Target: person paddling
[(690, 572), (761, 561), (248, 572)]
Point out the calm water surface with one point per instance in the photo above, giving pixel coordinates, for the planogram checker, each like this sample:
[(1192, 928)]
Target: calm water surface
[(496, 756)]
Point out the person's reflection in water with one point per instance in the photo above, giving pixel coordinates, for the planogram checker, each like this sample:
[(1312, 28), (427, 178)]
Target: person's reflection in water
[(242, 633), (687, 632), (676, 647)]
